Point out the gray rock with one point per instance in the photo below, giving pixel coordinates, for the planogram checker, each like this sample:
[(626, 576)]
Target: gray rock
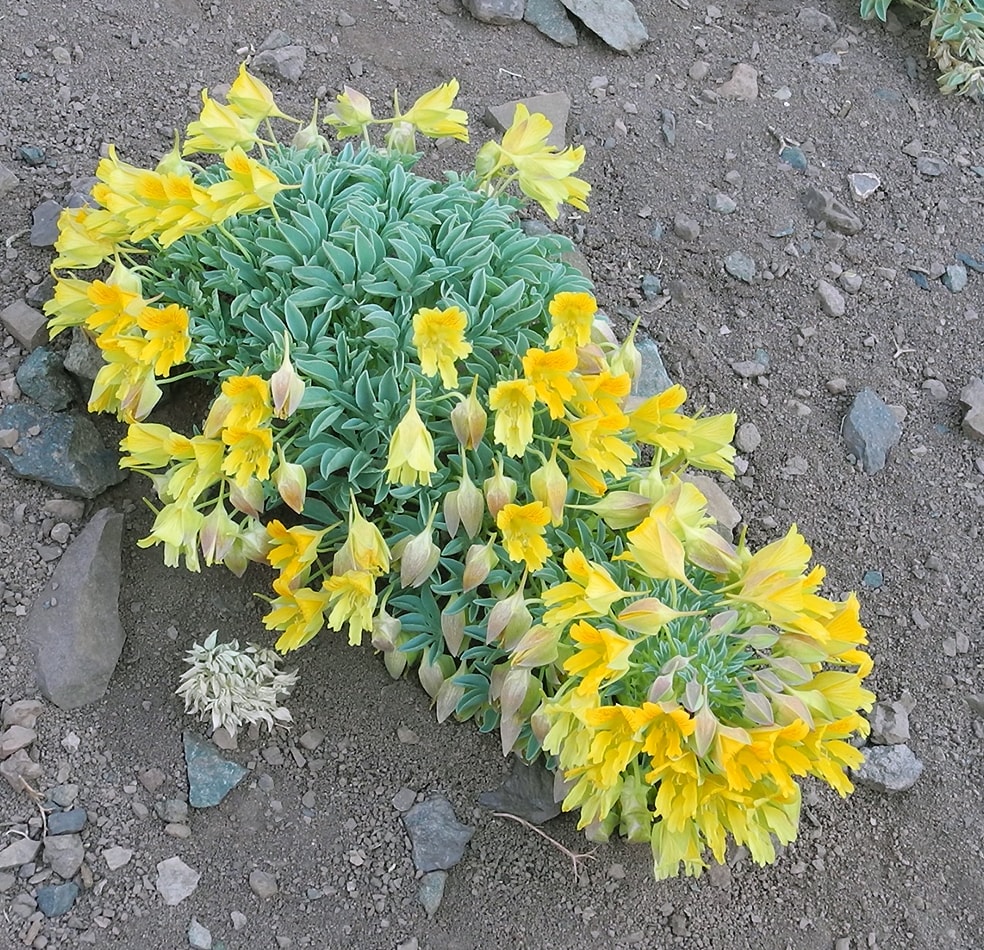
[(67, 822), (870, 431), (740, 266), (750, 369), (972, 398), (27, 326), (64, 853), (930, 167), (823, 206), (22, 851), (172, 810), (198, 935), (276, 39), (210, 777), (863, 185), (653, 377), (615, 21), (117, 857), (44, 229), (809, 18), (57, 899), (794, 157), (496, 12), (431, 891), (685, 227), (437, 837), (955, 278), (15, 738), (263, 884), (889, 724), (287, 62), (8, 180), (84, 359), (551, 19), (526, 793), (64, 795), (722, 203), (77, 640), (556, 106), (404, 799), (67, 453), (42, 377), (743, 84), (24, 712), (176, 880), (667, 125), (18, 769), (889, 768), (831, 299), (651, 287), (747, 438)]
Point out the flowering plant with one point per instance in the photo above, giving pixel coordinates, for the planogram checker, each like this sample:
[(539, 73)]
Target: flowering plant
[(434, 397)]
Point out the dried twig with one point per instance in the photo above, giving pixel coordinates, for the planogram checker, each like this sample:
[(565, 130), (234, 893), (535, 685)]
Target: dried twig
[(36, 797), (574, 856)]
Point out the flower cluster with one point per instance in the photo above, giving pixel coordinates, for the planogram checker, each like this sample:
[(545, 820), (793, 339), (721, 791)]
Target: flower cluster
[(427, 430)]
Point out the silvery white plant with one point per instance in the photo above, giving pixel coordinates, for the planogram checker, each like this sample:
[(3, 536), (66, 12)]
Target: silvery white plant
[(232, 686)]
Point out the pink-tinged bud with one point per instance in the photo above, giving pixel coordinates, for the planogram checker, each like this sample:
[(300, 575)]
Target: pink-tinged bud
[(453, 628), (249, 499), (217, 534), (291, 481), (309, 137), (217, 415), (590, 360), (452, 517), (468, 419), (479, 561), (509, 619), (385, 631), (500, 489), (419, 556), (549, 486), (470, 503), (256, 542), (538, 647), (513, 692), (433, 675), (447, 699), (707, 549), (622, 509), (286, 387)]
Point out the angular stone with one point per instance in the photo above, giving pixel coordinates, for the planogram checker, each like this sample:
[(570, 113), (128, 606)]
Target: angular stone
[(889, 768), (823, 206), (210, 777), (20, 768), (199, 937), (57, 899), (431, 891), (551, 19), (8, 180), (27, 326), (743, 84), (263, 884), (64, 853), (117, 857), (15, 738), (527, 793), (24, 712), (20, 852), (719, 505), (615, 21), (889, 724), (870, 431), (44, 230), (740, 266), (42, 377), (76, 642), (437, 837), (832, 301), (68, 453), (176, 880), (653, 377), (84, 359), (863, 185), (496, 12), (287, 62), (556, 106), (67, 822)]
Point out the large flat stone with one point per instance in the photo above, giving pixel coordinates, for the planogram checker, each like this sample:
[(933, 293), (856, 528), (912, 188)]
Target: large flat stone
[(556, 106), (615, 21)]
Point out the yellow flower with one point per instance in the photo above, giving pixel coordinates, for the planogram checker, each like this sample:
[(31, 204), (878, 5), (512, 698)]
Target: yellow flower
[(602, 656), (649, 615), (86, 238), (549, 372), (589, 593), (711, 447), (249, 187), (114, 309), (69, 305), (292, 550), (123, 386), (250, 453), (513, 401), (176, 527), (353, 599), (433, 116), (411, 452), (151, 445), (350, 113), (166, 339), (656, 549), (523, 527), (364, 548), (244, 403), (300, 614), (585, 477), (658, 423), (571, 316), (596, 440), (204, 468), (218, 129), (439, 337), (251, 98)]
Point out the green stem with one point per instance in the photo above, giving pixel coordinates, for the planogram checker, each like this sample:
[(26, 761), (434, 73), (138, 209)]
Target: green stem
[(226, 233)]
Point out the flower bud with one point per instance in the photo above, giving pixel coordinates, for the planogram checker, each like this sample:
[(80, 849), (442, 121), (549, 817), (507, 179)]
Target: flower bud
[(248, 499), (217, 534), (452, 516), (419, 557), (291, 481), (590, 360), (385, 631), (433, 674), (538, 647), (549, 487), (402, 138), (622, 509), (509, 619), (453, 628), (127, 280), (470, 504), (286, 386), (500, 489), (479, 561), (602, 332), (627, 358), (395, 662), (468, 419), (350, 113), (173, 164), (309, 137), (447, 699)]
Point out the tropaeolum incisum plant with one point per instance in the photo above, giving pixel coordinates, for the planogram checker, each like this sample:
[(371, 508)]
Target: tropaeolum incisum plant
[(425, 428)]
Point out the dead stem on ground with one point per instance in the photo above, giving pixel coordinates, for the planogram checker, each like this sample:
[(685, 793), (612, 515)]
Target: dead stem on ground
[(574, 856)]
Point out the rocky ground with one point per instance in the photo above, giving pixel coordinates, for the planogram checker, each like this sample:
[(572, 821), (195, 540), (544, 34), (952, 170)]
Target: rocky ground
[(794, 212)]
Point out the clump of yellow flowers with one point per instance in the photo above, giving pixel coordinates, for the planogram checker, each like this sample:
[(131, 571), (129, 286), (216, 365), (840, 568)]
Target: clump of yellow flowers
[(425, 427)]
